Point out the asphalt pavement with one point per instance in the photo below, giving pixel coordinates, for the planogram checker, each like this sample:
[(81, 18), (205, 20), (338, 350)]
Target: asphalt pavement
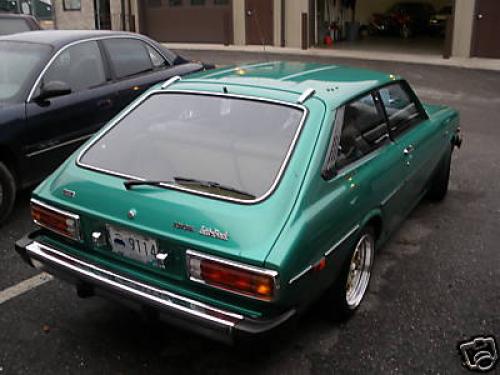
[(435, 284)]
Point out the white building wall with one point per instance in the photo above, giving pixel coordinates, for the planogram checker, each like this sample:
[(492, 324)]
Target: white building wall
[(293, 22), (239, 22), (462, 31)]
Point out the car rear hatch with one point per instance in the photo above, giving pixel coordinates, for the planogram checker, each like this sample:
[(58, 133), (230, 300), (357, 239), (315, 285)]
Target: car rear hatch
[(153, 220), (133, 226)]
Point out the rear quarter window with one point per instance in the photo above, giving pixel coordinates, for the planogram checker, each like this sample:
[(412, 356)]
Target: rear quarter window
[(128, 56), (363, 130)]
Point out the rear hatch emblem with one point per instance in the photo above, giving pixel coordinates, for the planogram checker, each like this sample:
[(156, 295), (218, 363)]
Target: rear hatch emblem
[(204, 231)]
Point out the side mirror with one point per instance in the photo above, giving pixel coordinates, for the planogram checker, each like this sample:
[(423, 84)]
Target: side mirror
[(52, 89)]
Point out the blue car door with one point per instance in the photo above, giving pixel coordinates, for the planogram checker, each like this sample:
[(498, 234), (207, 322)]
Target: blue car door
[(56, 126)]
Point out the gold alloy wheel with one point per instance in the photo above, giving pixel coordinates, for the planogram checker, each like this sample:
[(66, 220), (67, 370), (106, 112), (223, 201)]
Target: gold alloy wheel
[(359, 271)]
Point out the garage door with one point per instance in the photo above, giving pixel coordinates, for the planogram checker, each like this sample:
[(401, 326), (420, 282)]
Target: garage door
[(197, 21), (485, 40)]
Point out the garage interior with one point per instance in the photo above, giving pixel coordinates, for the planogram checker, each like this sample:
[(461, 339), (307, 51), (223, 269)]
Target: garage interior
[(354, 25)]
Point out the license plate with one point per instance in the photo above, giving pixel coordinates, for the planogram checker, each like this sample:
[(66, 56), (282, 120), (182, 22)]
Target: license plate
[(133, 245)]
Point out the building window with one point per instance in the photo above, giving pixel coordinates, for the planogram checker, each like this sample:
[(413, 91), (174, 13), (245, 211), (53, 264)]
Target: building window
[(221, 2), (154, 3), (72, 4), (198, 2), (175, 3)]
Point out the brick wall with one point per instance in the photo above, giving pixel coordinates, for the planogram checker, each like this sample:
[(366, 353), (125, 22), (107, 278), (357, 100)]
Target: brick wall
[(75, 19)]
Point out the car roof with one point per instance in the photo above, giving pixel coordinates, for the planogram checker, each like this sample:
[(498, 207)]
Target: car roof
[(15, 15), (59, 38), (332, 83)]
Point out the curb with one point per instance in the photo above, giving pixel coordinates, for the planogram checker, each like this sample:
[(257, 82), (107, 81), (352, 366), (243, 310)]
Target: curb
[(458, 62)]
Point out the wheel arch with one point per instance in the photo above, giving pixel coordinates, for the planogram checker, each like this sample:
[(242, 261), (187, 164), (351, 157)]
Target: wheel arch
[(8, 158), (374, 219)]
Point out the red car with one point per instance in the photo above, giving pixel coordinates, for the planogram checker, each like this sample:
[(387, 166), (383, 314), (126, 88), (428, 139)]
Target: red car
[(405, 19)]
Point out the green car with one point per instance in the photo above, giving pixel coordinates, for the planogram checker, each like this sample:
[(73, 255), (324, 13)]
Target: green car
[(227, 202)]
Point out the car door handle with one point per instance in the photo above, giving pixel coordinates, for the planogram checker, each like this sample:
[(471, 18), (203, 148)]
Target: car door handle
[(105, 103), (409, 149)]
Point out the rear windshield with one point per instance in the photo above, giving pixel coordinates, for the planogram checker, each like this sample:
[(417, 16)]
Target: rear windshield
[(234, 142), (13, 25)]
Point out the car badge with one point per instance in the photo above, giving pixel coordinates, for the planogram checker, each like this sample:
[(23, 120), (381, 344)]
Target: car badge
[(204, 231), (69, 193), (132, 213)]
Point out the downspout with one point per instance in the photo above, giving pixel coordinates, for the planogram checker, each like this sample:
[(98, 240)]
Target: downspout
[(122, 3)]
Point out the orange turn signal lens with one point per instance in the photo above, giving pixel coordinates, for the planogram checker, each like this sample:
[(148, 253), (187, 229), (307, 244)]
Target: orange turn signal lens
[(231, 276), (58, 221)]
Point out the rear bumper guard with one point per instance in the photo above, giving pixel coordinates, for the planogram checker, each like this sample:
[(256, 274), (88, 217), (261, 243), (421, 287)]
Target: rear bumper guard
[(190, 314)]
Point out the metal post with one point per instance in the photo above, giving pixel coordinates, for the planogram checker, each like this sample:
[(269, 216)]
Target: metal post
[(97, 14), (123, 15), (304, 31)]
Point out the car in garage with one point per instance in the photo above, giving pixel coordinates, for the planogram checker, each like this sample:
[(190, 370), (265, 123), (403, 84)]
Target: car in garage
[(438, 21), (17, 23), (406, 19), (57, 88), (231, 200)]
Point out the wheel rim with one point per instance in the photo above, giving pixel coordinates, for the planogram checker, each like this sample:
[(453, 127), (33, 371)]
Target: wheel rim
[(359, 271), (406, 32)]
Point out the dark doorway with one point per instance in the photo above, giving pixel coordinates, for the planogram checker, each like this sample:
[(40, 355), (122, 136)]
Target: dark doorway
[(485, 40), (259, 21), (102, 15)]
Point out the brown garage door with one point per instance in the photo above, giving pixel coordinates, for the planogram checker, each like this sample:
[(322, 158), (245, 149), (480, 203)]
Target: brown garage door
[(486, 39), (259, 21), (197, 21)]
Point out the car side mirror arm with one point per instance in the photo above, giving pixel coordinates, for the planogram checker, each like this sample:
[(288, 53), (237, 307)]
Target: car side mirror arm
[(53, 89)]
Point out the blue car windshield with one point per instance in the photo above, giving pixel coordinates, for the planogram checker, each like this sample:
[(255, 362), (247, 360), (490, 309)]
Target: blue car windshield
[(235, 142), (19, 64)]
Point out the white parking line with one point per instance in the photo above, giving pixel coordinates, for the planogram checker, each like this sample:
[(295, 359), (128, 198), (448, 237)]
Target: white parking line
[(24, 286)]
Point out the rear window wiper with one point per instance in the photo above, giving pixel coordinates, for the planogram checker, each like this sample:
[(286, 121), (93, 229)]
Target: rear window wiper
[(187, 182), (130, 183), (211, 184)]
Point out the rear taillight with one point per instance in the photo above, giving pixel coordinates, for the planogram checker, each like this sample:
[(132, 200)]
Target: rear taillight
[(59, 221), (231, 276)]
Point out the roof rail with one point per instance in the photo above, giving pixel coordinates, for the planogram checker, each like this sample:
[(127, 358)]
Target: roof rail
[(170, 81), (306, 95)]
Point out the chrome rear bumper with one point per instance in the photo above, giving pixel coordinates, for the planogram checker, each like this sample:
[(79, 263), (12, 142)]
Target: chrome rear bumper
[(185, 312)]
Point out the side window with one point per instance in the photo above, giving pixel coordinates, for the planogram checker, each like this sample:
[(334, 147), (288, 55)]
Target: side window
[(79, 66), (401, 109), (363, 130), (157, 59), (128, 56)]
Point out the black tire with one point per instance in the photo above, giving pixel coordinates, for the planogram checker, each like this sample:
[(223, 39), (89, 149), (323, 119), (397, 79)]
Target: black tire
[(336, 304), (7, 192), (441, 178)]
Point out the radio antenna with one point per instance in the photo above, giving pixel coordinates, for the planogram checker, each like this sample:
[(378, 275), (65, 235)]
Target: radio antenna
[(259, 30)]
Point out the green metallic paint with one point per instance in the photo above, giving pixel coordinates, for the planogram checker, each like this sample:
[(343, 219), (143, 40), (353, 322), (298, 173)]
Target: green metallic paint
[(292, 229)]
